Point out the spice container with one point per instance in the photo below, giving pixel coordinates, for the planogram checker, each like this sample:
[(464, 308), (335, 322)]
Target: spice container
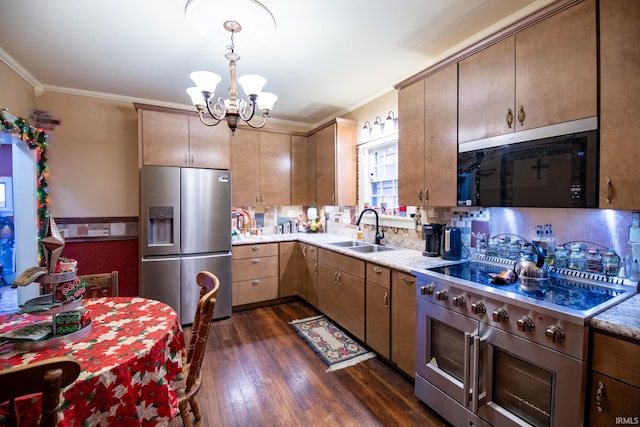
[(561, 259), (594, 261), (611, 263), (576, 258)]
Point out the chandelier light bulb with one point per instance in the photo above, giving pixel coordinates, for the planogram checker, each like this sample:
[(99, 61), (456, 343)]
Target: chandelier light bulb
[(205, 81), (196, 96), (266, 101), (252, 84)]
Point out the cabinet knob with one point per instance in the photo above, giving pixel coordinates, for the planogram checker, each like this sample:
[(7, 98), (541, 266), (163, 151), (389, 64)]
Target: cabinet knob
[(509, 118), (255, 248), (600, 397), (607, 190), (521, 115), (255, 260), (377, 270), (255, 282)]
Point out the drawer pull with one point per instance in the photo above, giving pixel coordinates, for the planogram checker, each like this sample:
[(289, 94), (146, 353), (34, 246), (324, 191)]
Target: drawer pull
[(408, 281), (600, 396), (255, 260), (255, 282), (377, 270), (255, 248)]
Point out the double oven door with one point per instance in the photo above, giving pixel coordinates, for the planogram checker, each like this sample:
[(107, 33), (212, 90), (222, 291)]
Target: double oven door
[(482, 375)]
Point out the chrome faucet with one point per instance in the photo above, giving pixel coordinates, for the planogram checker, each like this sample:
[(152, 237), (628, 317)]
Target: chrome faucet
[(379, 236)]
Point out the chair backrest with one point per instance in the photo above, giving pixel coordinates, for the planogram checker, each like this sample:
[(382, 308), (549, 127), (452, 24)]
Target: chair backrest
[(98, 285), (209, 284), (46, 377)]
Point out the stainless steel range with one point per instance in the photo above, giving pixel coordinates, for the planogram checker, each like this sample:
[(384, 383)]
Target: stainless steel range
[(507, 354)]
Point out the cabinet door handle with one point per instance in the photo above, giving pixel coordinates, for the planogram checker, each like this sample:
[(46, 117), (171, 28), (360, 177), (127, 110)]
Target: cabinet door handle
[(377, 270), (304, 252), (335, 277), (257, 198), (408, 281), (333, 197), (386, 299), (191, 161), (255, 282), (607, 190), (186, 159), (509, 118), (600, 397), (255, 260), (426, 194), (420, 195), (521, 115), (315, 267)]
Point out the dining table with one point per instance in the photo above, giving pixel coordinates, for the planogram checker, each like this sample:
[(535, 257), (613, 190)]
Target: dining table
[(131, 365)]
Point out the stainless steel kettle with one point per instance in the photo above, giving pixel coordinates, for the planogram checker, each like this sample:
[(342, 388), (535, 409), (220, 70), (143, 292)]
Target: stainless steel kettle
[(531, 265)]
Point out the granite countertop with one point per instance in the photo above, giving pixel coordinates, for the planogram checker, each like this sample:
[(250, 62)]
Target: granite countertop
[(622, 319)]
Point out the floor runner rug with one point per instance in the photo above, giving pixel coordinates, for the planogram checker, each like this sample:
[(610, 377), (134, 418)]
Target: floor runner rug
[(337, 349)]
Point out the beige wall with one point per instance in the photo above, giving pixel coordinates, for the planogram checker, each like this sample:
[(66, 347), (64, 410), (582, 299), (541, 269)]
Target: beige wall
[(15, 93), (378, 107), (92, 156)]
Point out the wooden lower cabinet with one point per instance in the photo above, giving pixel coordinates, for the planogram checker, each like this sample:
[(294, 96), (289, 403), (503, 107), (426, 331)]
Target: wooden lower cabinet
[(403, 321), (378, 309), (310, 289), (615, 382), (341, 294), (292, 270), (254, 270)]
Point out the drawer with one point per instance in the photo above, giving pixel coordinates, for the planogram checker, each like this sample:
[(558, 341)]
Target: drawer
[(256, 290), (342, 262), (616, 358), (254, 268), (255, 250), (617, 401), (379, 275)]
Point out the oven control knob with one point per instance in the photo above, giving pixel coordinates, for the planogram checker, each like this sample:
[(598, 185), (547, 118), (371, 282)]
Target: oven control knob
[(525, 324), (555, 333), (478, 308), (441, 295), (458, 301), (500, 315), (427, 289)]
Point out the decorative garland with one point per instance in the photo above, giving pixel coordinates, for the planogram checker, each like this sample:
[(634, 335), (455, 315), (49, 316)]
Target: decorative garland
[(36, 139)]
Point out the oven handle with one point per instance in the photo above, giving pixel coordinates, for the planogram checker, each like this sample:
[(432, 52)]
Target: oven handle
[(466, 373), (475, 373)]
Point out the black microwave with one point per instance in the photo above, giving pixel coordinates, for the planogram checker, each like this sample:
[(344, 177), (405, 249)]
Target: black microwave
[(556, 172)]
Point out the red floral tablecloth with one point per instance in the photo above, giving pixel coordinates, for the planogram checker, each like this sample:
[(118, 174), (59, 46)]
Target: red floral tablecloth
[(131, 365)]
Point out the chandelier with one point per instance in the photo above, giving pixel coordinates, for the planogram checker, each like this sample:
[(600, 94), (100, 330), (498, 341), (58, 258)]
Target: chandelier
[(232, 109)]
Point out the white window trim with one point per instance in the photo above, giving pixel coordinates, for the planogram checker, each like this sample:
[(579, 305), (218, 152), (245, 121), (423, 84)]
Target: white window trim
[(384, 220)]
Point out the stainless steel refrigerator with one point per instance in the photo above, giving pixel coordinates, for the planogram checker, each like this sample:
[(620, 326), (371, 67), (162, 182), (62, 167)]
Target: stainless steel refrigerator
[(185, 227)]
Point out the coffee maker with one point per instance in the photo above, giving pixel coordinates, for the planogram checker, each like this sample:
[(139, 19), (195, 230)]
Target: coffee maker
[(432, 234)]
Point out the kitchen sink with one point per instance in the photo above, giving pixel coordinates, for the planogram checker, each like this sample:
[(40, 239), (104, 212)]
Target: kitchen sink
[(370, 248), (351, 243)]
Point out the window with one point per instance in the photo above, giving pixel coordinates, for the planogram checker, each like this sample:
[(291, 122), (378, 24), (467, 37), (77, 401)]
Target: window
[(378, 186)]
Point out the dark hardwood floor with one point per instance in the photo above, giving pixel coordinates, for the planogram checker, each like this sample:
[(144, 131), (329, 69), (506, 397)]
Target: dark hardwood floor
[(258, 372)]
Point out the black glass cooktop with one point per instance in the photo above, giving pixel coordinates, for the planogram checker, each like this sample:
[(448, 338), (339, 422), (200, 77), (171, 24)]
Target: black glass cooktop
[(556, 289)]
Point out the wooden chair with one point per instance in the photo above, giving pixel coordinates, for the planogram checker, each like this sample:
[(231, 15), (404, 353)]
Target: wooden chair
[(101, 282), (197, 344), (46, 377)]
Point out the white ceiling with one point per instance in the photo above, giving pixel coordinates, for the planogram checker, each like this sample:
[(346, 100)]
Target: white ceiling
[(327, 57)]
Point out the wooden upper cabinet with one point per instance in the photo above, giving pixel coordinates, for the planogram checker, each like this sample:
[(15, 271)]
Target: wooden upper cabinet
[(164, 138), (543, 75), (209, 146), (245, 163), (557, 68), (336, 157), (441, 138), (411, 144), (261, 168), (427, 140), (275, 169), (619, 103), (312, 184), (175, 139), (487, 92)]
